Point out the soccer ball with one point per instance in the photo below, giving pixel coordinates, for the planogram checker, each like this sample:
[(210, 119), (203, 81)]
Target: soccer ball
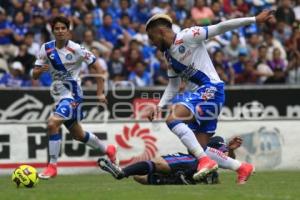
[(25, 176)]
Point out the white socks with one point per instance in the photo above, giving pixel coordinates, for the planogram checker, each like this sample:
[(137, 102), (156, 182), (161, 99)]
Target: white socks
[(93, 141), (187, 137), (54, 147), (223, 160)]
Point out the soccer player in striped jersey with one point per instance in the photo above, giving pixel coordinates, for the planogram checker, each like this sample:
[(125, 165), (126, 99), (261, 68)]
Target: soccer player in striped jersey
[(62, 58), (196, 110), (169, 169)]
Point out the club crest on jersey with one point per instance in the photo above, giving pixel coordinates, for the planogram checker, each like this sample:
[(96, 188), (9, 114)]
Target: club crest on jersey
[(51, 56), (181, 49), (69, 56)]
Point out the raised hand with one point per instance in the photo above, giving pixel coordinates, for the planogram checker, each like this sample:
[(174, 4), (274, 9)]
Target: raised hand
[(265, 16)]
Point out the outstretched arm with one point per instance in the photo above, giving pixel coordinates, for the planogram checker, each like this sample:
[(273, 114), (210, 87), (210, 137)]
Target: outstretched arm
[(198, 34)]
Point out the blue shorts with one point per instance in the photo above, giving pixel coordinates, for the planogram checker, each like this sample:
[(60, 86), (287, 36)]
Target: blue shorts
[(181, 162), (205, 104), (70, 111)]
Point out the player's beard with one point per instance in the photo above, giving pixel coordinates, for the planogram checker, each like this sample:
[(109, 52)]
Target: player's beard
[(163, 46)]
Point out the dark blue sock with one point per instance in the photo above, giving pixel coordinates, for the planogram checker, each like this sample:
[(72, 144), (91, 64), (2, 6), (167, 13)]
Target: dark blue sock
[(140, 168)]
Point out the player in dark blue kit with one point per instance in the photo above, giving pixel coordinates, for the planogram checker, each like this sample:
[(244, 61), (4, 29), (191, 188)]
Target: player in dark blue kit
[(175, 168)]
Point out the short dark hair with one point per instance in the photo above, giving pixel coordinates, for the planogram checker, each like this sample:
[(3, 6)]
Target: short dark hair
[(60, 19), (159, 22)]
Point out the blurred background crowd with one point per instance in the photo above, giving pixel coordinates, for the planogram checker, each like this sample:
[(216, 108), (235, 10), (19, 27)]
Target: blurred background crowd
[(114, 30)]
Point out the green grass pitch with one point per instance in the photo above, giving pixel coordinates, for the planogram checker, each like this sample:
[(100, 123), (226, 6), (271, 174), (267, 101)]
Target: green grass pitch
[(276, 185)]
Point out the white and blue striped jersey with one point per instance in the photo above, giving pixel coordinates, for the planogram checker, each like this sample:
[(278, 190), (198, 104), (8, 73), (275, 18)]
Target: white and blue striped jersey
[(190, 60), (64, 67)]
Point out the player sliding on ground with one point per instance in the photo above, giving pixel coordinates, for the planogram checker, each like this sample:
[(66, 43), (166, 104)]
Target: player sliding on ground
[(172, 168), (196, 111), (62, 58)]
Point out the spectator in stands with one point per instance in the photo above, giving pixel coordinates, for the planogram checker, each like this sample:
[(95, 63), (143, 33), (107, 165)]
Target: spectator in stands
[(285, 12), (141, 12), (161, 6), (133, 55), (33, 47), (293, 69), (78, 9), (7, 49), (19, 28), (262, 66), (278, 66), (116, 69), (27, 10), (273, 43), (87, 24), (253, 43), (296, 9), (139, 76), (38, 27), (3, 65), (225, 71), (26, 59), (124, 9), (15, 78), (249, 75), (283, 32), (181, 12), (110, 32), (218, 12), (242, 7), (126, 24), (239, 66), (293, 50), (232, 50), (89, 42), (64, 7), (202, 14)]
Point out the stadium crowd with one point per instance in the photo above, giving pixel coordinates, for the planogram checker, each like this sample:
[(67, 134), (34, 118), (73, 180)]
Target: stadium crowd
[(114, 30)]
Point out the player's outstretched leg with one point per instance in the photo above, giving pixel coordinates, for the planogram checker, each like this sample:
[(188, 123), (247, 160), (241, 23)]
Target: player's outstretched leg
[(244, 170), (93, 141), (111, 168)]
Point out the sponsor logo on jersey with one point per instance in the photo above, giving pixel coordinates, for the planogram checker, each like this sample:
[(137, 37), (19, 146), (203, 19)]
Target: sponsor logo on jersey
[(196, 31), (51, 56), (69, 56), (181, 49)]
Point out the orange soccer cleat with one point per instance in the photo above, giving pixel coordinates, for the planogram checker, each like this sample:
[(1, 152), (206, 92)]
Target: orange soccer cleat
[(205, 166), (244, 172), (49, 172), (111, 153)]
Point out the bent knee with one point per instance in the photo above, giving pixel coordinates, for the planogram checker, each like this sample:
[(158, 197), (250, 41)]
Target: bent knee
[(52, 126)]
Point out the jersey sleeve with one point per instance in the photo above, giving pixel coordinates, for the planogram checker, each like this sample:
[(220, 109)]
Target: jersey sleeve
[(195, 34), (41, 57), (86, 55)]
